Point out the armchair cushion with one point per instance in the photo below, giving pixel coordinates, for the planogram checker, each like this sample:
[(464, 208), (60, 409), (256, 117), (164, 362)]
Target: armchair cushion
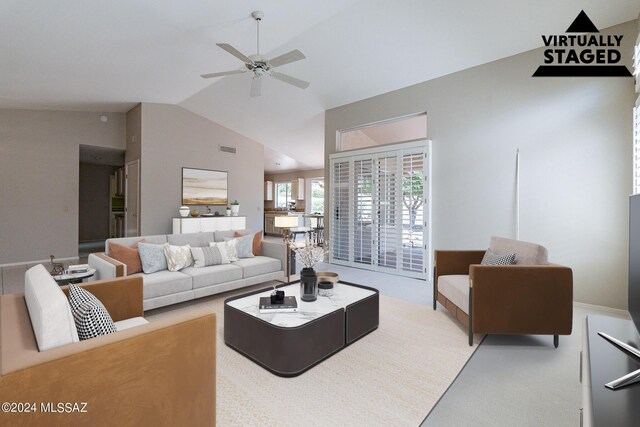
[(456, 288), (526, 253)]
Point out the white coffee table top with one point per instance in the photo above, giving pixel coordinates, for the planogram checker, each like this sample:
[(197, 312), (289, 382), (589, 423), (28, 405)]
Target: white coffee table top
[(74, 276), (343, 295)]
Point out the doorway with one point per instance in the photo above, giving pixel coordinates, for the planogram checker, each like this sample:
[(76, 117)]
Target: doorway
[(96, 196)]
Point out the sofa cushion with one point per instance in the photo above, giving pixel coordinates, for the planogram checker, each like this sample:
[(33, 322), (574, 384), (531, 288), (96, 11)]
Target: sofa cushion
[(257, 266), (130, 241), (192, 239), (526, 253), (152, 257), (456, 288), (213, 275), (165, 282), (91, 317), (178, 257), (209, 255), (49, 311), (490, 258), (127, 255)]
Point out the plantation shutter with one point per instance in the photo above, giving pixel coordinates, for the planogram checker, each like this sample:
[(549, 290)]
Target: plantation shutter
[(636, 148), (339, 245), (387, 194), (413, 220), (363, 211)]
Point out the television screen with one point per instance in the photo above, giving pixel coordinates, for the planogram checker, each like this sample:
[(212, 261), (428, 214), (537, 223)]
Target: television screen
[(634, 259), (204, 187)]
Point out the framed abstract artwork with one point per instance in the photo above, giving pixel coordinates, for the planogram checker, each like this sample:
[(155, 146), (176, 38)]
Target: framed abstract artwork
[(204, 187)]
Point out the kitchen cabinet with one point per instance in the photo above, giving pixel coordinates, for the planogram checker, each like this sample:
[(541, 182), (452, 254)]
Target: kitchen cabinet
[(268, 191), (269, 222), (297, 189)]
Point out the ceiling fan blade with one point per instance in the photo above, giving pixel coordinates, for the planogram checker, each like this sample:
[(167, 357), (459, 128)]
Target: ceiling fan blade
[(235, 52), (223, 73), (256, 87), (291, 80), (285, 58)]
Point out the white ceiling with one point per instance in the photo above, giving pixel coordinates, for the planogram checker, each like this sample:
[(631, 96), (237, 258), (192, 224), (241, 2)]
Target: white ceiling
[(109, 55)]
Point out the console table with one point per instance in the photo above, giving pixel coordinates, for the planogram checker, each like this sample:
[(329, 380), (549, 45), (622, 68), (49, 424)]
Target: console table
[(208, 223), (601, 363)]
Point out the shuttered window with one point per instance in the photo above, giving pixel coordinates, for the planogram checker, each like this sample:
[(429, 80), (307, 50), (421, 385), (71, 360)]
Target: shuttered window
[(379, 208), (340, 244), (636, 148)]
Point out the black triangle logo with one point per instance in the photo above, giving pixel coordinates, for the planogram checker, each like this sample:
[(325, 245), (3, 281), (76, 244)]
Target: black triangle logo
[(582, 24)]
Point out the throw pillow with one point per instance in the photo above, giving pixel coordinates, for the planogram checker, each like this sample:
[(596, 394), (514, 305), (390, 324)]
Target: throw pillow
[(222, 247), (232, 249), (494, 259), (257, 241), (127, 255), (91, 317), (178, 257), (204, 257), (245, 246), (152, 257)]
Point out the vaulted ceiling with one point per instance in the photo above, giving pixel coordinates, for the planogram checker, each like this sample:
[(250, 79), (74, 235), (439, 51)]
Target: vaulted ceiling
[(109, 55)]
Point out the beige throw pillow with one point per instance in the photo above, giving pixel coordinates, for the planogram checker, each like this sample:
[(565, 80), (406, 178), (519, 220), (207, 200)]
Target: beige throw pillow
[(178, 257), (222, 246)]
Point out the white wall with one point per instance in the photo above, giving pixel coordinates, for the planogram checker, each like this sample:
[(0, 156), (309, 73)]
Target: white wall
[(172, 138), (39, 169), (574, 135)]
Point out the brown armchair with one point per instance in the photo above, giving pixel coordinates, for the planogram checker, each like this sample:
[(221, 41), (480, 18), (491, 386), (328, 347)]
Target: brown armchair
[(530, 297)]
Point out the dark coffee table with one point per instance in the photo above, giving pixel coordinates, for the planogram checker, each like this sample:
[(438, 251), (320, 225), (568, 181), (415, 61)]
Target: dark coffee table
[(288, 344)]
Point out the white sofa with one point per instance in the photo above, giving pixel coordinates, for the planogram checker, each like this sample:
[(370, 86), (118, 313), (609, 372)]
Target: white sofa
[(170, 287)]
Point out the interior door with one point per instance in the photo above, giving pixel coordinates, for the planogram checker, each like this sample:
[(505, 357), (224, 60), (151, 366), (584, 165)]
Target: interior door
[(132, 198)]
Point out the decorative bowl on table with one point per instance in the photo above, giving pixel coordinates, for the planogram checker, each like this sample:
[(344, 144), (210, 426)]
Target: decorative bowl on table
[(327, 276)]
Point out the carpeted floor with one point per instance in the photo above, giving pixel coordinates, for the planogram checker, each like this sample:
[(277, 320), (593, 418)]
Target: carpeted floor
[(393, 376)]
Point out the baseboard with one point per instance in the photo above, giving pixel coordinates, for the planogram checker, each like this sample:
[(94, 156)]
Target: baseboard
[(40, 261), (615, 311)]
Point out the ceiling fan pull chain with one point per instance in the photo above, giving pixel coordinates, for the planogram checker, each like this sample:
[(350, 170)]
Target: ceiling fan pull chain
[(258, 37)]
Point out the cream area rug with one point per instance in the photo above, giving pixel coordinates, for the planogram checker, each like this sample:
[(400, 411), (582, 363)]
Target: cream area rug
[(390, 377)]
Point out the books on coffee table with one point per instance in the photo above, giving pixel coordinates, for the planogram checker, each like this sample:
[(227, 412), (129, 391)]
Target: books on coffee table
[(290, 305)]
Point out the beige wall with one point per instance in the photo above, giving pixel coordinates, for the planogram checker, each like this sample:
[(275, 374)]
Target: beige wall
[(39, 168), (172, 138), (134, 133), (574, 135)]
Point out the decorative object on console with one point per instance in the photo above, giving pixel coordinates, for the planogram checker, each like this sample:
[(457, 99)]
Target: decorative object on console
[(235, 208), (91, 317), (184, 211), (285, 223), (195, 213), (228, 211), (57, 268)]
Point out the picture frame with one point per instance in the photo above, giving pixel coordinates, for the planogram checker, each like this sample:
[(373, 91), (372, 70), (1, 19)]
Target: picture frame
[(204, 187)]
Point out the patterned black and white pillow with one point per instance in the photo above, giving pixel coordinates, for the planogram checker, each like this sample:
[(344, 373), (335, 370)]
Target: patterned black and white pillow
[(91, 317), (494, 259)]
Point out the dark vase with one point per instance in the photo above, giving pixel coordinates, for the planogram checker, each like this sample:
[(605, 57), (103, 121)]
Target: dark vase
[(308, 284)]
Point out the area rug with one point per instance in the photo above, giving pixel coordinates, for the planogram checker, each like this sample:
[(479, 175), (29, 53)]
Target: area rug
[(392, 376)]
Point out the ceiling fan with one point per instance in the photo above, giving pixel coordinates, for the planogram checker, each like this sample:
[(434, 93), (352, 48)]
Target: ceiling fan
[(260, 65)]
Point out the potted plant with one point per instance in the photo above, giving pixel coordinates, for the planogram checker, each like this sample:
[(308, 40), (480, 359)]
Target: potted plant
[(235, 208), (228, 211)]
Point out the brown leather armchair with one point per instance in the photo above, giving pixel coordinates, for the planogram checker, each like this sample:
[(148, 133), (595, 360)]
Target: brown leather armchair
[(160, 373), (524, 298)]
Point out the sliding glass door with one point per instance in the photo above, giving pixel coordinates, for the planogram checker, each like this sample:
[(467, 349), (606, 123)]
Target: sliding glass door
[(380, 209)]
